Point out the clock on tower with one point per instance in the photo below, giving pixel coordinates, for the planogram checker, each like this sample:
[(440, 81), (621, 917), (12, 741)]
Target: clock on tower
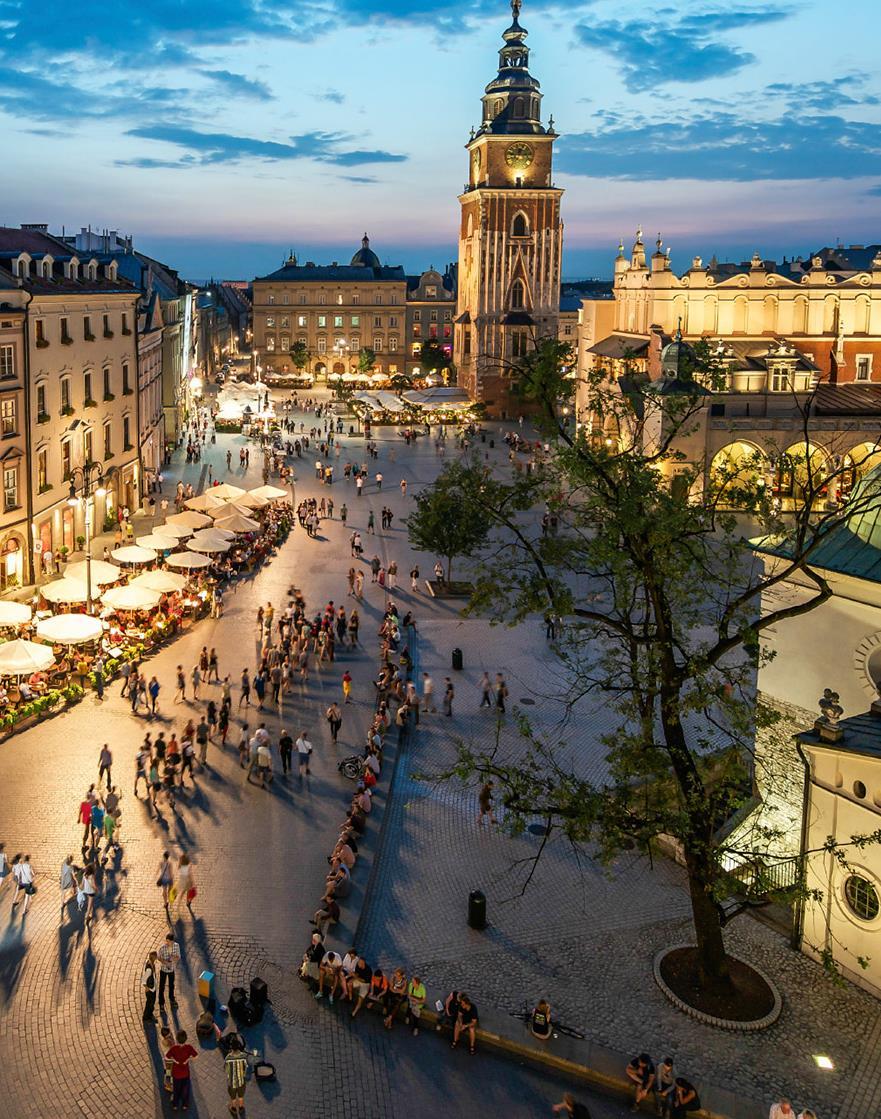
[(511, 236)]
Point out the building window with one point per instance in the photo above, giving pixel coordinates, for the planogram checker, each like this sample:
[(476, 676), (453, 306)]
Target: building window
[(108, 440), (322, 345), (322, 320), (108, 395), (779, 379), (393, 298), (356, 320), (864, 367), (393, 321), (466, 342), (432, 330), (65, 460), (448, 316), (448, 330), (417, 329), (431, 292), (337, 322), (66, 339), (126, 387), (322, 299), (356, 297), (126, 434), (432, 316), (270, 298), (301, 320), (125, 327), (377, 299), (7, 362), (285, 343), (339, 298), (270, 345), (87, 328), (87, 388), (40, 334), (87, 445), (108, 333), (519, 226), (861, 897), (285, 299), (377, 322), (417, 349), (302, 298), (10, 487), (42, 470), (567, 329), (518, 295), (65, 394), (286, 321), (518, 343), (417, 315), (356, 341), (392, 344), (270, 322), (377, 345), (42, 411), (8, 424)]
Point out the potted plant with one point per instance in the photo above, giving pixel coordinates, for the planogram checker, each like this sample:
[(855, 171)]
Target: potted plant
[(62, 553), (81, 542)]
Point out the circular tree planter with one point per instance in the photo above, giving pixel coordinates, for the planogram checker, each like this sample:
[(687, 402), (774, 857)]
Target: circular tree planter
[(754, 1004)]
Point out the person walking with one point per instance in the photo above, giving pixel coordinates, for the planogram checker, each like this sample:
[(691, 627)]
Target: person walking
[(90, 891), (169, 957), (23, 874), (85, 816), (335, 720), (428, 694), (165, 877), (285, 749), (501, 693), (67, 882), (213, 674), (180, 1054), (245, 697), (371, 524), (180, 693), (347, 683), (486, 690), (414, 577), (485, 801), (304, 753), (203, 733), (148, 982), (105, 761), (124, 671), (153, 692), (184, 885), (449, 695), (196, 679)]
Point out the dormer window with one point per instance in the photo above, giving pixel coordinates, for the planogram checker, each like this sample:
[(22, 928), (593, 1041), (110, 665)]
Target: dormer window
[(110, 272), (73, 269), (92, 270), (46, 268)]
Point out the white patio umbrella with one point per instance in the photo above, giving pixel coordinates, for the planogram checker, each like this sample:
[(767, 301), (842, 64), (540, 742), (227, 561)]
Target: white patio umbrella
[(179, 532), (204, 502), (236, 522), (131, 597), (21, 658), (227, 491), (189, 519), (188, 560), (166, 582), (131, 553), (271, 493), (216, 533), (102, 572), (65, 590), (14, 613), (158, 542), (214, 544), (249, 501), (70, 629)]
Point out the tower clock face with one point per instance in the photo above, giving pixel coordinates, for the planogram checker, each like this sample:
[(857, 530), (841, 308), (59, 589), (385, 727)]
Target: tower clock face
[(519, 156)]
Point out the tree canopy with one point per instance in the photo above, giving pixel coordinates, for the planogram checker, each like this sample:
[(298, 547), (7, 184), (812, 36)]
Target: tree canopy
[(447, 520)]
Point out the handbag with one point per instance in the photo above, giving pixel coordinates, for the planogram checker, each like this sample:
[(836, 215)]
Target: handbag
[(80, 899), (172, 895)]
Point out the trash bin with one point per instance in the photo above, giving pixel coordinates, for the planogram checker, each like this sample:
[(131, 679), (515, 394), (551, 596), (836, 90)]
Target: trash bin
[(477, 909), (483, 437), (492, 442), (457, 660)]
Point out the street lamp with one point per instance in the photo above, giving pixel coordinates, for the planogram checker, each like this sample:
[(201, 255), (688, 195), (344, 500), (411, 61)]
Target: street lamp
[(90, 479)]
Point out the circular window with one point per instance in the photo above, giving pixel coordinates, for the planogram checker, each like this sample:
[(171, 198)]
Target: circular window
[(862, 897), (859, 789)]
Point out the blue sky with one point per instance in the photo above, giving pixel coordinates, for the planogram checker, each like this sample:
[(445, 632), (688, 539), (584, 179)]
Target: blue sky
[(221, 135)]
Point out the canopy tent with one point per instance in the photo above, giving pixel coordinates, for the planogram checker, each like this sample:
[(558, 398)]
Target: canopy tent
[(215, 531), (188, 560), (131, 597), (69, 629), (380, 401), (65, 590), (14, 613), (189, 519), (131, 553), (227, 491), (179, 532), (166, 582), (21, 658), (158, 542), (237, 522), (249, 501), (102, 572), (269, 493), (441, 398), (204, 502)]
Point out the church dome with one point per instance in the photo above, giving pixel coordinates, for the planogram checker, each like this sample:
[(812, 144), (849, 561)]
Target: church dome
[(365, 257)]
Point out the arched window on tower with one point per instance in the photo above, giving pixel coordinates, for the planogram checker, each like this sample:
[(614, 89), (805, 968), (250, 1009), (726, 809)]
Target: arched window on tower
[(520, 225), (518, 295), (519, 108), (497, 109)]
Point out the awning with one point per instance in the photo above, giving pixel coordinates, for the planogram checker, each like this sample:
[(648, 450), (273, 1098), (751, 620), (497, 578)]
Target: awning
[(69, 629), (102, 572), (21, 658), (131, 597)]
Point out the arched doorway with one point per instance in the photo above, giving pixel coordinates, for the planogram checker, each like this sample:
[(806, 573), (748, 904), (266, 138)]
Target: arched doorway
[(854, 466), (11, 563), (737, 471), (800, 473)]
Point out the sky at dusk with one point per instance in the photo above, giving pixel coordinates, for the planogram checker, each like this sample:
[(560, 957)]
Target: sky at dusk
[(222, 135)]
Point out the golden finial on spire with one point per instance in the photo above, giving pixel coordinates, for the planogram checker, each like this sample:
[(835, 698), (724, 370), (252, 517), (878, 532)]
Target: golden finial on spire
[(515, 7)]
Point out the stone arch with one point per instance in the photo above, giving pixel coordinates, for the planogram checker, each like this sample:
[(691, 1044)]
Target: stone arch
[(739, 466), (800, 315), (770, 306), (830, 314), (520, 224), (740, 318), (711, 314), (861, 314), (800, 467)]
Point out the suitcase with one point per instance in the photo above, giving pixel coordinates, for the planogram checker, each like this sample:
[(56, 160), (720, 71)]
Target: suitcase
[(239, 1007), (259, 992)]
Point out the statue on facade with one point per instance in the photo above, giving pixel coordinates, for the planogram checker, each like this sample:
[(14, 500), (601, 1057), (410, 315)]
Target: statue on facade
[(826, 726)]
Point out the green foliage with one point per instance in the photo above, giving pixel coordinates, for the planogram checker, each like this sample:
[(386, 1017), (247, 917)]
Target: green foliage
[(448, 521), (433, 358), (300, 355), (366, 359)]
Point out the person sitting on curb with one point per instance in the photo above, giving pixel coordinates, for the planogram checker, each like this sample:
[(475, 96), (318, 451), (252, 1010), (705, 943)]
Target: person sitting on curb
[(466, 1022), (329, 972), (448, 1011), (641, 1071), (684, 1099), (540, 1025)]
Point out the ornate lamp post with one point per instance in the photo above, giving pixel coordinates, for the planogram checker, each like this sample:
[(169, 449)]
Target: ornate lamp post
[(91, 482)]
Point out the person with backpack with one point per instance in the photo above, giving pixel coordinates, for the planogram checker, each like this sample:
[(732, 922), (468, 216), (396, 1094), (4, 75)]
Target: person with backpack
[(235, 1065)]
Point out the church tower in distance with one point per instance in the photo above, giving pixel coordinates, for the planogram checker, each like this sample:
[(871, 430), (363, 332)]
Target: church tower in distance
[(511, 236)]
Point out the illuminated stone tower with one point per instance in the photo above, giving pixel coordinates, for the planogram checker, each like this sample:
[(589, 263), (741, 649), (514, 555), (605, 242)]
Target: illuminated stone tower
[(511, 236)]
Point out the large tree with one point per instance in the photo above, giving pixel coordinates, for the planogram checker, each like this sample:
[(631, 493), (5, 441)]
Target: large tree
[(299, 355), (665, 603), (448, 520)]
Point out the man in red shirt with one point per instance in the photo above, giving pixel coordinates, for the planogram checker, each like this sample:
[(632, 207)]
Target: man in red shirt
[(85, 817), (180, 1055)]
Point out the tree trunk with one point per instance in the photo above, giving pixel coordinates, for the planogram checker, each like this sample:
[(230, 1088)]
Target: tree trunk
[(712, 961), (449, 569)]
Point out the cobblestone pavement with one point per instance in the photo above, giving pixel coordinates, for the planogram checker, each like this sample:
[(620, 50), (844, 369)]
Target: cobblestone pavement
[(71, 1039)]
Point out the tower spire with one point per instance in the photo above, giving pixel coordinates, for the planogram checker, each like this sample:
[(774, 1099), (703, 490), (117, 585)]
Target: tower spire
[(515, 8)]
